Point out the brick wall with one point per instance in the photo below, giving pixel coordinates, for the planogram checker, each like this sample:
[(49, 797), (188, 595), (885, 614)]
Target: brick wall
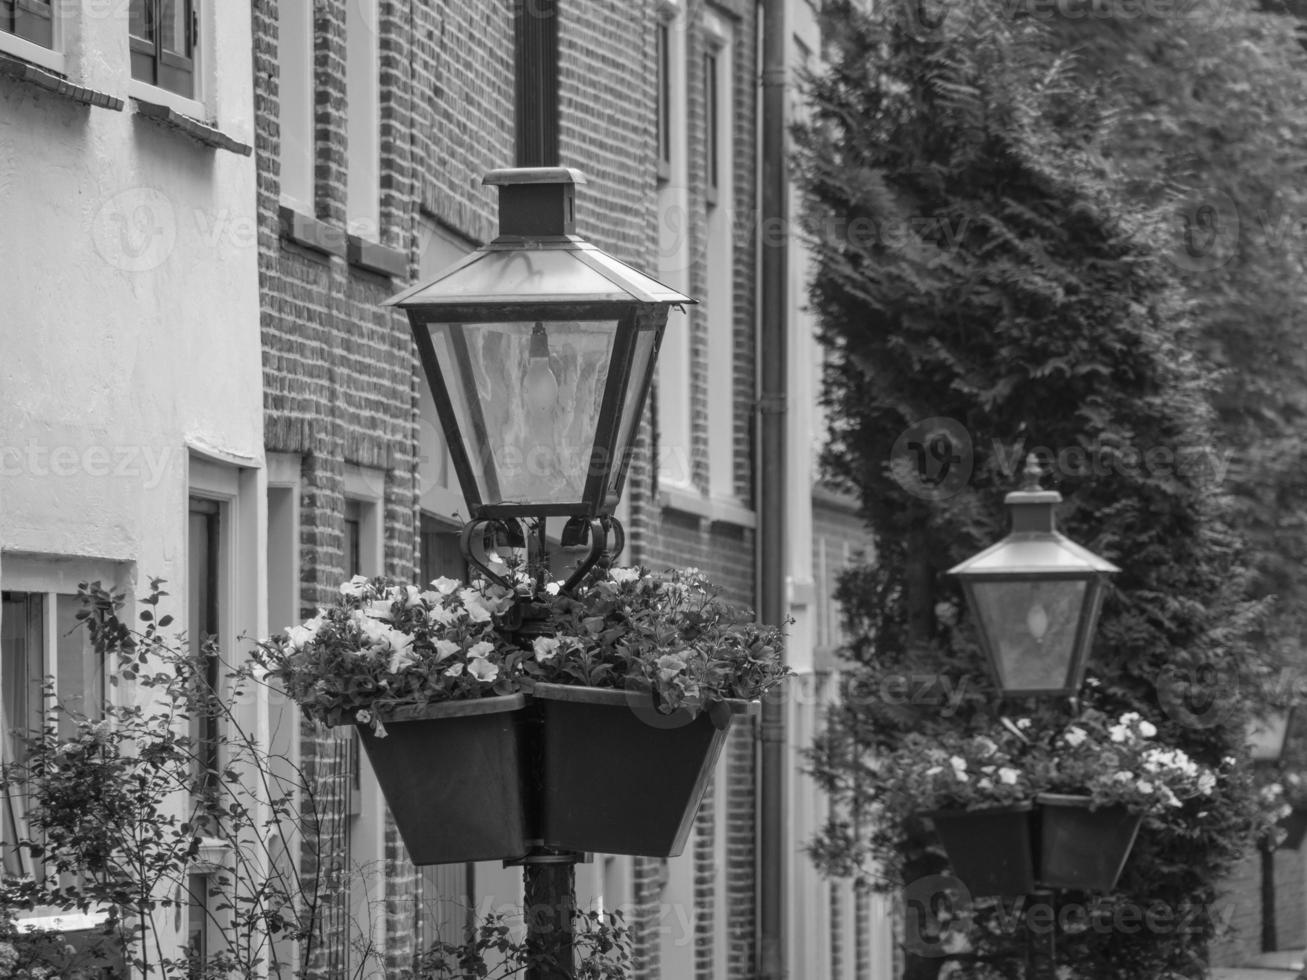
[(340, 378), (1240, 907)]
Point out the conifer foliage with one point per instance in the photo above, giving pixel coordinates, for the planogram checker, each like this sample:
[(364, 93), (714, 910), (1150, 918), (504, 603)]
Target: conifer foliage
[(983, 291)]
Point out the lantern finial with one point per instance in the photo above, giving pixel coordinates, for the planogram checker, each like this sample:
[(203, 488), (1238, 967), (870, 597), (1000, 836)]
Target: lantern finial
[(1033, 474)]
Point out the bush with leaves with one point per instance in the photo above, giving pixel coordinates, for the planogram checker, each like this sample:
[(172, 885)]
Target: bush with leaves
[(495, 950), (127, 807), (1034, 307)]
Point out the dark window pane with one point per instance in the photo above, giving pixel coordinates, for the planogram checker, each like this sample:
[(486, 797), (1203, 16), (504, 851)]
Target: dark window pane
[(712, 121), (174, 23), (664, 68), (141, 19), (31, 20)]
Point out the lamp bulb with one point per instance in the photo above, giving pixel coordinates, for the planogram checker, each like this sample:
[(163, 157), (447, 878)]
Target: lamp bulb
[(1037, 622), (540, 385)]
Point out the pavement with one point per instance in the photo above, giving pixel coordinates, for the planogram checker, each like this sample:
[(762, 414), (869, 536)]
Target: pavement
[(1286, 965)]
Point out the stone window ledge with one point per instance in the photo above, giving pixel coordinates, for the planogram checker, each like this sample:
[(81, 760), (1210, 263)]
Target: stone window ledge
[(376, 258), (25, 71), (304, 229), (201, 132)]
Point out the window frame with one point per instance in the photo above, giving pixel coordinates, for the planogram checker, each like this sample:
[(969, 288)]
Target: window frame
[(49, 56), (363, 120), (52, 576), (663, 74), (295, 106), (169, 69)]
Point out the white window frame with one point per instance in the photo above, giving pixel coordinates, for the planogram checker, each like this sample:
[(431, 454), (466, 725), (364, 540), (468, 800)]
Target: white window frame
[(52, 576), (295, 113), (363, 119), (367, 824), (51, 58), (195, 106), (719, 306), (675, 470), (284, 603), (238, 491)]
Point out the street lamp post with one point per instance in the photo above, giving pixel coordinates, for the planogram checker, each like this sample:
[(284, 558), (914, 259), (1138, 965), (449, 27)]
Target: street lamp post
[(1035, 597), (539, 350), (1267, 737)]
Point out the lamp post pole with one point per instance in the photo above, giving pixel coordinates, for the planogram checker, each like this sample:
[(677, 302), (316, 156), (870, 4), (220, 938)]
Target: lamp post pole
[(1035, 597), (548, 879)]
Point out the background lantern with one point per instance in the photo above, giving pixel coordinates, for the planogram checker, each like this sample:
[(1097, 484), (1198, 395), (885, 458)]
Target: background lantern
[(539, 349), (1035, 596), (1268, 735)]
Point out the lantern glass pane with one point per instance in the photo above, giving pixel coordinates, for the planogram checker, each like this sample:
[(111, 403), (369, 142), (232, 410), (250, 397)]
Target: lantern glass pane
[(526, 397), (1031, 627), (641, 362), (1266, 737)]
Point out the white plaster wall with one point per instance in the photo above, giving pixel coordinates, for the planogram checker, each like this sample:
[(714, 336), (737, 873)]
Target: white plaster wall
[(129, 307)]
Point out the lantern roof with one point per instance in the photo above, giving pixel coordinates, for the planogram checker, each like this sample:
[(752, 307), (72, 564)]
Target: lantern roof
[(1034, 546), (537, 258)]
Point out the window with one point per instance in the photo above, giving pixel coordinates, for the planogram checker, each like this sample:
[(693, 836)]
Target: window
[(40, 639), (203, 550), (295, 102), (163, 34), (712, 127), (719, 295), (675, 256), (32, 20), (363, 128), (663, 58)]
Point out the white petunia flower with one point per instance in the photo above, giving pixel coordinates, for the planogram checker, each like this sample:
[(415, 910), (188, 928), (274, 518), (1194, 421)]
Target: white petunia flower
[(546, 648), (623, 575), (482, 669), (1009, 775), (1074, 736), (445, 649), (446, 586)]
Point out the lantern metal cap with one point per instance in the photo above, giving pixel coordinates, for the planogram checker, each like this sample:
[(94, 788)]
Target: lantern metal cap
[(1034, 545), (537, 258)]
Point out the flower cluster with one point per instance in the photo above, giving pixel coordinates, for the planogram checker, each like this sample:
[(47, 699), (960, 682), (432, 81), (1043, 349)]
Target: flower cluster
[(1112, 761), (1117, 762), (384, 645)]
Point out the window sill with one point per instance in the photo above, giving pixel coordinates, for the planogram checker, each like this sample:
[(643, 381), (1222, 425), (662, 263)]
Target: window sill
[(44, 919), (303, 229), (24, 71), (34, 54), (201, 132), (376, 258), (716, 510)]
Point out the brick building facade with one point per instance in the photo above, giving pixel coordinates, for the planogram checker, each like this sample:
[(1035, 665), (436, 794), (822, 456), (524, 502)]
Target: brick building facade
[(375, 120)]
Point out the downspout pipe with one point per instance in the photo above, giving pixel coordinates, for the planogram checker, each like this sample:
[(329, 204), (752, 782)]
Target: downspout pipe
[(773, 232)]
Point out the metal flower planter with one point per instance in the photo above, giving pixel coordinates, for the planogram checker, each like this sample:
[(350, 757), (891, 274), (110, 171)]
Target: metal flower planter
[(1082, 848), (618, 777), (453, 774), (989, 850)]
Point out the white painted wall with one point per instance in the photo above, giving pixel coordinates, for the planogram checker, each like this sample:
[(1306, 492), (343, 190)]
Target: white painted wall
[(129, 313), (130, 360)]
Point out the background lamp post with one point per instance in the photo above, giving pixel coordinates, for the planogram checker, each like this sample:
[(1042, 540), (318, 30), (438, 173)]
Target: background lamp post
[(1035, 597), (539, 349)]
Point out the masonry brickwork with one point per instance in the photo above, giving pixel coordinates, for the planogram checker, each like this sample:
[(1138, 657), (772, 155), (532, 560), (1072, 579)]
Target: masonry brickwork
[(341, 378)]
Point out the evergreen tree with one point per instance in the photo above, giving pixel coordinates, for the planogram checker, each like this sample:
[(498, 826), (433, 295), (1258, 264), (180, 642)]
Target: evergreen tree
[(976, 262)]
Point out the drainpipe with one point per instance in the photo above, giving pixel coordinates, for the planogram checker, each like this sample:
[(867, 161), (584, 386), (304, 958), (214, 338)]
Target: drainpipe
[(773, 232)]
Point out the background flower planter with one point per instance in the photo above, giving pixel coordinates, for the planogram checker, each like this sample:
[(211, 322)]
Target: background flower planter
[(618, 777), (453, 775), (1082, 848), (989, 850)]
